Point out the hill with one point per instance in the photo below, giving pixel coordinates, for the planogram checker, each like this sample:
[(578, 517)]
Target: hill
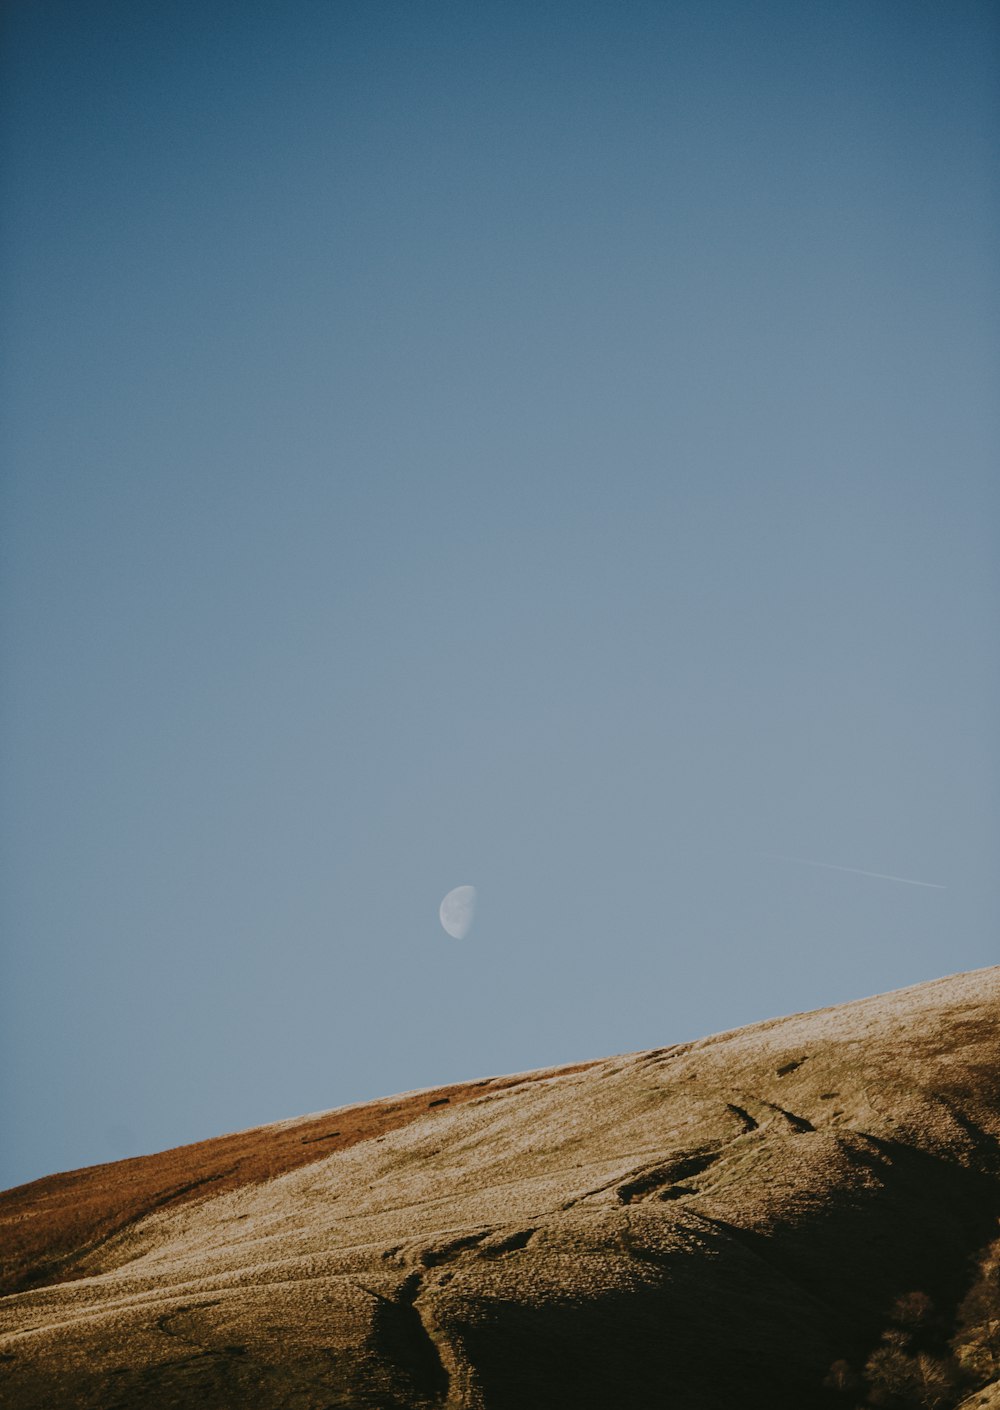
[(799, 1213)]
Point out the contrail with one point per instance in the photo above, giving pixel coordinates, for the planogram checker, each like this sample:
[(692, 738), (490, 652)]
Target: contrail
[(831, 866)]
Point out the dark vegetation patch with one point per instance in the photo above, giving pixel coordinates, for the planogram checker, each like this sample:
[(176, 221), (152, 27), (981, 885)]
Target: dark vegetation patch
[(440, 1253), (797, 1123), (678, 1192), (743, 1116), (656, 1056), (667, 1174), (485, 1244), (510, 1243)]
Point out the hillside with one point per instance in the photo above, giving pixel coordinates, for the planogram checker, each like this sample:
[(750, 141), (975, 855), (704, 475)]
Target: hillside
[(708, 1225)]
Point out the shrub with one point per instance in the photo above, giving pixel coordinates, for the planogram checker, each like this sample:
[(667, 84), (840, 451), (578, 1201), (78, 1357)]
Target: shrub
[(976, 1342), (841, 1377), (923, 1381)]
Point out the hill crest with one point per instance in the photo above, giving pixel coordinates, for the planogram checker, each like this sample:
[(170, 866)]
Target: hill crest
[(619, 1231)]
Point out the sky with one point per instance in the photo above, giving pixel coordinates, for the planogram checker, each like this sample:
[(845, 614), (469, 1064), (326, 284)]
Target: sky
[(543, 445)]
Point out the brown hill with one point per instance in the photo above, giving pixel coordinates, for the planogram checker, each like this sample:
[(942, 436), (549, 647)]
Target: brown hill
[(712, 1225)]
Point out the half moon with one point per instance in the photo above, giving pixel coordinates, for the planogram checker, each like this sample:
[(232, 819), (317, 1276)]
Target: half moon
[(457, 910)]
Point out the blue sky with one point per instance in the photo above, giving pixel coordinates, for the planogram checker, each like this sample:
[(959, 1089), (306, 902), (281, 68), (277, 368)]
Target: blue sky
[(544, 446)]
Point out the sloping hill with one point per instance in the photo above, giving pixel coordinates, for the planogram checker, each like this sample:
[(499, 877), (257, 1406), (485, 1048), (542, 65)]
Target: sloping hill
[(708, 1225)]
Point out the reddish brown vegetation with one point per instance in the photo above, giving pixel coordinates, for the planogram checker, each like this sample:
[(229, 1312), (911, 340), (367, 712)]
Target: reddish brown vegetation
[(47, 1227), (697, 1226)]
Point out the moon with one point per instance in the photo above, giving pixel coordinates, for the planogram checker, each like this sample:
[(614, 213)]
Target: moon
[(457, 910)]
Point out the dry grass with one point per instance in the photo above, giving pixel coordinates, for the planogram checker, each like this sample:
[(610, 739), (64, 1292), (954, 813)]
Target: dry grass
[(47, 1226), (710, 1225)]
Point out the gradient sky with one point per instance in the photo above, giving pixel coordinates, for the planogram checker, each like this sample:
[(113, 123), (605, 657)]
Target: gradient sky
[(549, 445)]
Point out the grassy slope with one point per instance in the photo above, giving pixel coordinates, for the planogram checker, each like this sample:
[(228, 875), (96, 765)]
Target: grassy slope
[(708, 1225)]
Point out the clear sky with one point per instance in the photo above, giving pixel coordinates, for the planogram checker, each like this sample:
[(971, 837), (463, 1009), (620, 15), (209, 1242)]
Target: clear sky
[(548, 445)]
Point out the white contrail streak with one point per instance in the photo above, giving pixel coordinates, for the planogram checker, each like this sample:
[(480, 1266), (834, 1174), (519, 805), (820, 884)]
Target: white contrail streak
[(831, 866)]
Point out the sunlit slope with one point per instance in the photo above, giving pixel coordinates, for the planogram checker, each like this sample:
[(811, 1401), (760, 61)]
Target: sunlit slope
[(711, 1224)]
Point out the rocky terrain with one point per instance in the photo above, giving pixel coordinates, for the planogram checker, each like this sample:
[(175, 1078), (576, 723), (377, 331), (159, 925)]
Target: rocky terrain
[(799, 1213)]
